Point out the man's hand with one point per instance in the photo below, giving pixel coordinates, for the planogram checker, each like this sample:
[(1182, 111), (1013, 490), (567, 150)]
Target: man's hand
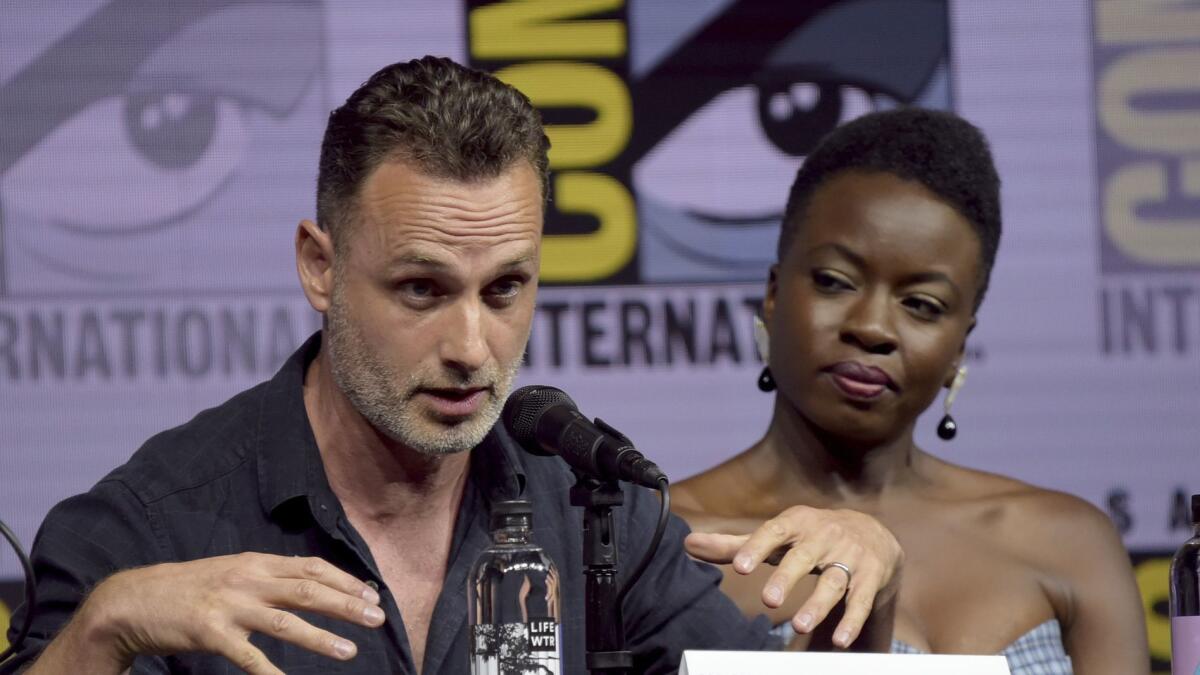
[(804, 540), (211, 605)]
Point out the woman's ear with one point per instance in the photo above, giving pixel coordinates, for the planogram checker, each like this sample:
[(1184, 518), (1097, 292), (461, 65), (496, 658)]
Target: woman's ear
[(314, 264), (958, 360), (772, 289)]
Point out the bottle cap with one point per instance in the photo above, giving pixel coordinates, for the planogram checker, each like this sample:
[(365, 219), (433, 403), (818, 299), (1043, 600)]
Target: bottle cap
[(1196, 509), (512, 513)]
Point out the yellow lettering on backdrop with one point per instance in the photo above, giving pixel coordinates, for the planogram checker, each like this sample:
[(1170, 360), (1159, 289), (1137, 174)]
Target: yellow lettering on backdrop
[(1161, 71), (594, 256), (5, 619), (1151, 240), (1142, 21), (558, 84), (1152, 578), (529, 29)]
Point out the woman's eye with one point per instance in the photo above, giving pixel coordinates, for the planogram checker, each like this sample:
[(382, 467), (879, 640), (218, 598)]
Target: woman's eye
[(925, 308), (828, 281)]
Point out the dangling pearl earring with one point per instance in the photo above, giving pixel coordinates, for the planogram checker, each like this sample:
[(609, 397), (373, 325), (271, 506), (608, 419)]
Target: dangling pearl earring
[(947, 428), (762, 342)]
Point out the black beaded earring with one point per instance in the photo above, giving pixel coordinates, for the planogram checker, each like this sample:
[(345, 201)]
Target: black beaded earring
[(947, 428), (765, 381)]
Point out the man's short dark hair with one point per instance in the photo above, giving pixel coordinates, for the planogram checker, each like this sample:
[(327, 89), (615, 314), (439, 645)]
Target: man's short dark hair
[(939, 150), (447, 120)]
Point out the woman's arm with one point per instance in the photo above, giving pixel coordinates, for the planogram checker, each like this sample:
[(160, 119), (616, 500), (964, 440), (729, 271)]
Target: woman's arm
[(1104, 629)]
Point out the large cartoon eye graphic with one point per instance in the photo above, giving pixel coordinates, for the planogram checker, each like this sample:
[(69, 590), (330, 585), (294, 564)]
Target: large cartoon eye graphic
[(714, 176), (117, 169), (172, 130), (795, 115), (732, 161), (132, 163)]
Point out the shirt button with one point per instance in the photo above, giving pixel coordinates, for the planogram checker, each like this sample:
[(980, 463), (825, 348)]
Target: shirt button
[(373, 586)]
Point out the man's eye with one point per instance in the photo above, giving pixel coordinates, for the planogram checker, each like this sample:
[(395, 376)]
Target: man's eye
[(418, 288), (505, 288)]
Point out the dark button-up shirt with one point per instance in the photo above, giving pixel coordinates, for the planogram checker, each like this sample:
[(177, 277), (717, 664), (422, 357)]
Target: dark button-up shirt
[(247, 476)]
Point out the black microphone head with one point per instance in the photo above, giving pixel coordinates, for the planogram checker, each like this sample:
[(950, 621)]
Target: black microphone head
[(525, 407)]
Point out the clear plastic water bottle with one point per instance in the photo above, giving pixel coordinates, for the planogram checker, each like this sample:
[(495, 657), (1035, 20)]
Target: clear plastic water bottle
[(1185, 601), (512, 600)]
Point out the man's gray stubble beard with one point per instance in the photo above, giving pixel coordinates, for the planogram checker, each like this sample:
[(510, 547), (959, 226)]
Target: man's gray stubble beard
[(364, 380)]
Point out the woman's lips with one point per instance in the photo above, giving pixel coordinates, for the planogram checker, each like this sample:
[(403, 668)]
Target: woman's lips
[(454, 402), (860, 381)]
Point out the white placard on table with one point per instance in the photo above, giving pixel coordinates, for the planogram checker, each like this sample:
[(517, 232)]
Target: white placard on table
[(829, 663)]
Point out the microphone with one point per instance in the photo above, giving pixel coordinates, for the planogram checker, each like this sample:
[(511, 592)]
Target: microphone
[(545, 421)]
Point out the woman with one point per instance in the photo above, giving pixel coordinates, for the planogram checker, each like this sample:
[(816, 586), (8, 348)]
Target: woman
[(888, 241)]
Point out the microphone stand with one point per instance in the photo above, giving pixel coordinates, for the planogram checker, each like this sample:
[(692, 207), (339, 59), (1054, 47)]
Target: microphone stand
[(605, 625)]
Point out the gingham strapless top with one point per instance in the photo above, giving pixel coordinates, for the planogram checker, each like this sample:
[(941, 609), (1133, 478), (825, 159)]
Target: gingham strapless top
[(1038, 652)]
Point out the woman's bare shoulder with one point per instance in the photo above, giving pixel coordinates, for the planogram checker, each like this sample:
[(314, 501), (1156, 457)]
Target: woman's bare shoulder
[(1039, 519)]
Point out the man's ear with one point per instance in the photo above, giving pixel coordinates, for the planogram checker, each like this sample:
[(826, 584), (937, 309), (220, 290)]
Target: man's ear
[(958, 360), (314, 263), (772, 289)]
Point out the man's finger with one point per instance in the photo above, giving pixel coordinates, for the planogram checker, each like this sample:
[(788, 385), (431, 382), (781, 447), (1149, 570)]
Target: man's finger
[(326, 573), (859, 603), (315, 596), (764, 543), (245, 656), (714, 548), (794, 565), (831, 588), (284, 625)]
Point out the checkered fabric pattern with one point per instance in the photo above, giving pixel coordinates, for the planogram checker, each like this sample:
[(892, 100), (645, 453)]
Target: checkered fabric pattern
[(1038, 652)]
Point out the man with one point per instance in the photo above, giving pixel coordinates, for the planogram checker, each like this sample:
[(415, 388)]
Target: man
[(325, 520)]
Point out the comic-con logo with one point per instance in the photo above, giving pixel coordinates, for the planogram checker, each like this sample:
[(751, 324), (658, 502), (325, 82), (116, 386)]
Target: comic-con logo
[(678, 127), (1146, 59)]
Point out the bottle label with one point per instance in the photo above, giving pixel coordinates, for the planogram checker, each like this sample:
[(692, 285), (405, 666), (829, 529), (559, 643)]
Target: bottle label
[(515, 648), (1185, 645)]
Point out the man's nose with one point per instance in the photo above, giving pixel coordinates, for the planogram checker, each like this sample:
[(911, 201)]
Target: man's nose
[(464, 346)]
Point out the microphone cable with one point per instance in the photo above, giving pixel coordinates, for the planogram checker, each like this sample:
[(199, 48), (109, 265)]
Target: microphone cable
[(664, 490), (30, 593)]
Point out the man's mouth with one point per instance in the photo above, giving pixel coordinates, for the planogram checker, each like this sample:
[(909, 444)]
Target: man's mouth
[(454, 401)]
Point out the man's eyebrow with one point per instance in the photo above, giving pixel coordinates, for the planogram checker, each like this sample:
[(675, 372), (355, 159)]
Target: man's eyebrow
[(418, 260), (428, 262), (518, 262)]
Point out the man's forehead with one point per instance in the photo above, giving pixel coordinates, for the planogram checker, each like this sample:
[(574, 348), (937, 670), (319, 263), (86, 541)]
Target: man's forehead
[(429, 175), (397, 193)]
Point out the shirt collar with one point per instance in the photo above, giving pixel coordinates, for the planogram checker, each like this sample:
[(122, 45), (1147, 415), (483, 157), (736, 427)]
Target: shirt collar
[(289, 462), (497, 467), (288, 458)]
